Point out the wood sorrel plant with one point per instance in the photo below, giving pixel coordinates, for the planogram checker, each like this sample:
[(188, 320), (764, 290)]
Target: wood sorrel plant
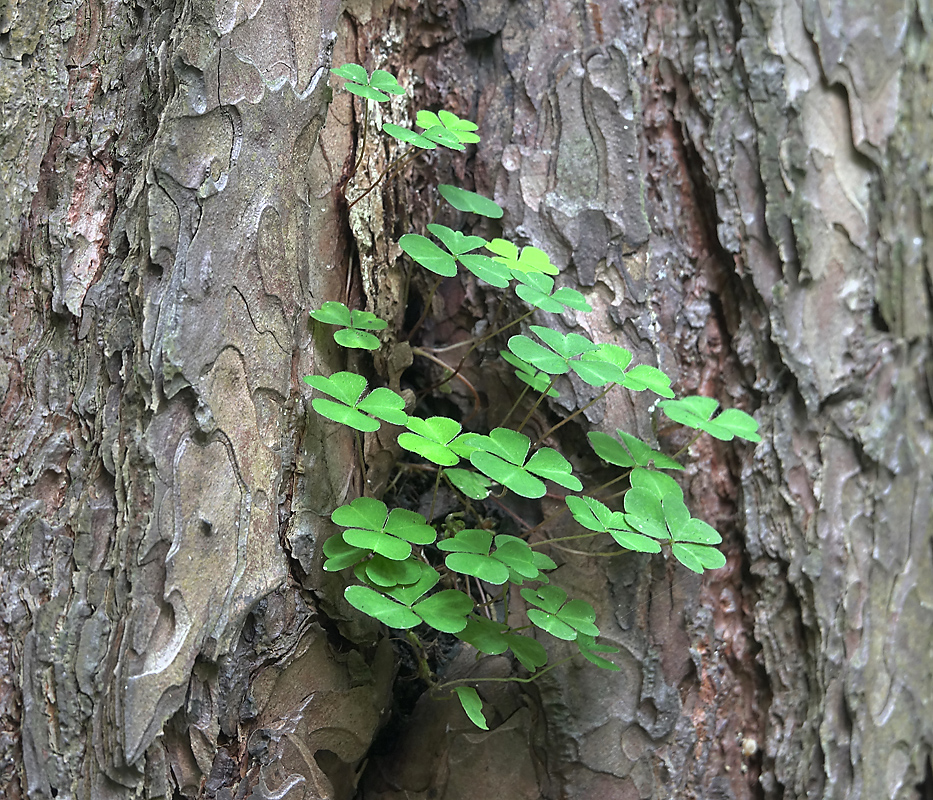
[(398, 558)]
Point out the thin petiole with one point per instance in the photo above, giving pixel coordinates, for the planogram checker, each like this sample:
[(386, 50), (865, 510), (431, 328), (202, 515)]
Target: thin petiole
[(537, 403), (565, 420)]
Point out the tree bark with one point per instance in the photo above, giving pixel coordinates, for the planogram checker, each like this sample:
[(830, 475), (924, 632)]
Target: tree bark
[(743, 192)]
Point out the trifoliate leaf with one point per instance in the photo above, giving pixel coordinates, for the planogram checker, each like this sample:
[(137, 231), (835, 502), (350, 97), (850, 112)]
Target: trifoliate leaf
[(332, 313), (696, 412), (547, 463), (455, 241), (630, 452), (430, 438)]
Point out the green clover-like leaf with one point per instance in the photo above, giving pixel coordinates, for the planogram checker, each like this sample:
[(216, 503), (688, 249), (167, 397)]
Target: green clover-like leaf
[(537, 289), (487, 269), (526, 373), (595, 516), (643, 376), (558, 616), (531, 259), (341, 555), (386, 573), (408, 136), (428, 255), (370, 526), (469, 555), (356, 324), (473, 706), (529, 652), (455, 241), (485, 635), (589, 648), (470, 483), (470, 202), (697, 413), (547, 463), (430, 438), (446, 611), (448, 128), (347, 389), (377, 87), (630, 452), (387, 611)]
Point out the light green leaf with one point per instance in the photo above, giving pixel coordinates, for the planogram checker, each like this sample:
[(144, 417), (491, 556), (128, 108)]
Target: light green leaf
[(642, 377), (698, 557), (487, 269), (332, 313), (386, 405), (352, 72), (538, 356), (388, 573), (455, 241), (408, 137), (549, 464), (430, 438), (470, 202), (386, 82), (410, 594), (357, 340), (469, 540), (482, 567), (472, 485), (472, 705), (696, 412), (510, 475)]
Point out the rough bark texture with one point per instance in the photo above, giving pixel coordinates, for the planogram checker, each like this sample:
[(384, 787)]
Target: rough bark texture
[(744, 192)]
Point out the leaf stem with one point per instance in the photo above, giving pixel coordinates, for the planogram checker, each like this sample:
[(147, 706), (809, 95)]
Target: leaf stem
[(462, 681), (580, 410), (537, 403), (418, 351), (427, 307), (359, 159)]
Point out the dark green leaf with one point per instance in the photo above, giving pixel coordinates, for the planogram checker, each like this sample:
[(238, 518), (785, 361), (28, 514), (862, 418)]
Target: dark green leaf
[(446, 611), (429, 255)]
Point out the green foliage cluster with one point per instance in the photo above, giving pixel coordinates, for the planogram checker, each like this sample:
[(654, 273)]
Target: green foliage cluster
[(399, 560)]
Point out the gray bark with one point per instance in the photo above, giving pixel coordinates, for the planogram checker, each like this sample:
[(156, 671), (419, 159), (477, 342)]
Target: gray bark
[(741, 188)]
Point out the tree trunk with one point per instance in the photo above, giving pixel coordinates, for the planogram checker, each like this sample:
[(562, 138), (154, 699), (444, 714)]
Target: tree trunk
[(743, 192)]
